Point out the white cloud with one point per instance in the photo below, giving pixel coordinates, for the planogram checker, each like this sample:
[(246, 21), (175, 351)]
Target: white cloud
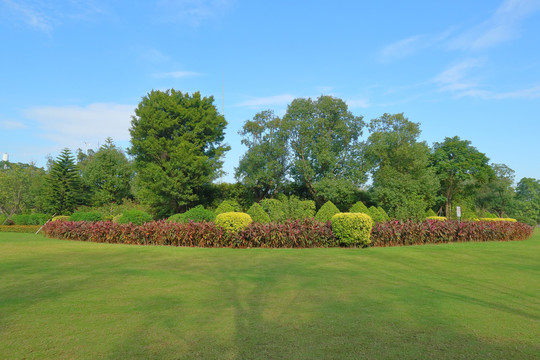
[(411, 45), (12, 125), (176, 74), (456, 78), (276, 100), (73, 126), (530, 93), (193, 12)]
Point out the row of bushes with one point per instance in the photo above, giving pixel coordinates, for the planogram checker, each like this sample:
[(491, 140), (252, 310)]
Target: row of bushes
[(306, 233), (19, 228)]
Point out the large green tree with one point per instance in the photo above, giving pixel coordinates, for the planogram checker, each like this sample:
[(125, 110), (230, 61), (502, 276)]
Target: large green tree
[(527, 206), (177, 148), (460, 167), (106, 173), (402, 181), (498, 195), (264, 166), (326, 150), (64, 184)]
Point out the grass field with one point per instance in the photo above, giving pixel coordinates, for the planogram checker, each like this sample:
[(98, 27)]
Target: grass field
[(74, 300)]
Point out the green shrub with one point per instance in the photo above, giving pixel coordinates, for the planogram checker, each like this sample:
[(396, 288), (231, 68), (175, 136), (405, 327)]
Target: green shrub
[(383, 214), (378, 215), (299, 209), (430, 212), (86, 216), (30, 219), (116, 218), (196, 214), (359, 207), (440, 218), (228, 206), (19, 228), (233, 221), (487, 214), (275, 209), (326, 212), (136, 217), (258, 214), (352, 229), (60, 218), (497, 219)]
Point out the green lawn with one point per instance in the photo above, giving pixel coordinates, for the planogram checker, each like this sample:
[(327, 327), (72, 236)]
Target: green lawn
[(74, 300)]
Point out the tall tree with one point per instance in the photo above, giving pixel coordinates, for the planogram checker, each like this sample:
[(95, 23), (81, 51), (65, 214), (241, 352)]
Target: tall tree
[(326, 150), (21, 188), (402, 181), (498, 196), (64, 184), (107, 174), (177, 147), (460, 167), (264, 165), (528, 200)]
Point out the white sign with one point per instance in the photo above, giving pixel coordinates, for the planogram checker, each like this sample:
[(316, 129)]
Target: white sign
[(458, 211)]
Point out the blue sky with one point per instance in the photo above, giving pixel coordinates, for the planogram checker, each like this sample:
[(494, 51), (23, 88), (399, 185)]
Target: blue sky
[(72, 72)]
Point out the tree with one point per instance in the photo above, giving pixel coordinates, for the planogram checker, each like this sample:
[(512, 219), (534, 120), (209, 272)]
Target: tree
[(527, 206), (107, 174), (64, 184), (177, 147), (264, 165), (498, 194), (326, 151), (402, 181), (460, 167)]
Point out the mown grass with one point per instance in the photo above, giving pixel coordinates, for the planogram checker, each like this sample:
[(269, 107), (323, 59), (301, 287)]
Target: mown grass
[(74, 300)]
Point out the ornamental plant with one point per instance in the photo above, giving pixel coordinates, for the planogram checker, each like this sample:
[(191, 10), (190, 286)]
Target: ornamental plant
[(228, 206), (498, 219), (233, 221), (60, 218), (352, 229), (136, 217), (440, 218), (326, 212), (86, 216), (258, 214), (359, 207), (196, 214)]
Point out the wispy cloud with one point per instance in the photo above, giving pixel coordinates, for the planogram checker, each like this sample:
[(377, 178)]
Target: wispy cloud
[(176, 74), (411, 45), (358, 103), (12, 124), (72, 126), (456, 77), (530, 93), (193, 12), (276, 100)]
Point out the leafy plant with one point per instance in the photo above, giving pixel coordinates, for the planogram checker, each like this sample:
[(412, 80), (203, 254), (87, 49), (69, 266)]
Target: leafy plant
[(196, 214), (136, 217), (326, 212), (275, 209), (359, 207), (233, 221), (258, 214), (352, 228), (86, 216), (228, 206)]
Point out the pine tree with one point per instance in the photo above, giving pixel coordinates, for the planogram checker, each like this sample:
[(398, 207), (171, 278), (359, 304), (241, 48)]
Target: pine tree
[(64, 184)]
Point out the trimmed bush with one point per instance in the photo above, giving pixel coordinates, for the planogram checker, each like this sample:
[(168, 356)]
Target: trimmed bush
[(300, 209), (233, 221), (258, 215), (275, 209), (196, 214), (86, 216), (135, 217), (430, 212), (326, 212), (377, 214), (435, 217), (228, 206), (60, 218), (352, 229), (497, 219), (19, 228), (359, 207), (30, 219)]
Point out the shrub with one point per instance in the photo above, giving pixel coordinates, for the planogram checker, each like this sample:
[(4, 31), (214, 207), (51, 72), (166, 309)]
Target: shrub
[(275, 209), (60, 218), (228, 206), (136, 217), (233, 221), (326, 212), (86, 216), (258, 214), (196, 214), (352, 228), (435, 217), (430, 212), (377, 214), (19, 228), (299, 209), (116, 218), (30, 219), (383, 214), (497, 219), (359, 207)]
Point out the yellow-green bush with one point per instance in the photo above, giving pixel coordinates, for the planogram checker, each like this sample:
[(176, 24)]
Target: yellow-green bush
[(441, 218), (352, 228), (233, 221), (498, 219), (60, 218), (19, 228)]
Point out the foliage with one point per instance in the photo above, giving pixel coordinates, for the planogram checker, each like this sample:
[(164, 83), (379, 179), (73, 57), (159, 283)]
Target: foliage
[(377, 214), (135, 217), (460, 167), (275, 209), (326, 157), (352, 229), (299, 209), (177, 147), (106, 174), (233, 221), (64, 185), (397, 233), (196, 214), (402, 181), (326, 212), (112, 209), (21, 188), (86, 216), (258, 215), (19, 228), (30, 219), (60, 218), (527, 205), (435, 217), (228, 206), (498, 219), (359, 207), (264, 165), (430, 212)]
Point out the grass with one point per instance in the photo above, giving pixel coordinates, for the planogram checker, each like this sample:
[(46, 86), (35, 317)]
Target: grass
[(74, 300)]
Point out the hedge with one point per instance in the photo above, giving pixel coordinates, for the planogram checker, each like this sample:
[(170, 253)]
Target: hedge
[(19, 228)]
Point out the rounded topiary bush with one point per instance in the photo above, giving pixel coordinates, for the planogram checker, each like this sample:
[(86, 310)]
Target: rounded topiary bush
[(228, 206), (196, 214), (258, 214), (233, 221), (86, 216), (352, 229), (136, 217), (326, 212), (359, 207)]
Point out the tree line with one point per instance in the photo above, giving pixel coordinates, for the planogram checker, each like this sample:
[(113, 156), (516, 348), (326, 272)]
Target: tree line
[(319, 150)]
